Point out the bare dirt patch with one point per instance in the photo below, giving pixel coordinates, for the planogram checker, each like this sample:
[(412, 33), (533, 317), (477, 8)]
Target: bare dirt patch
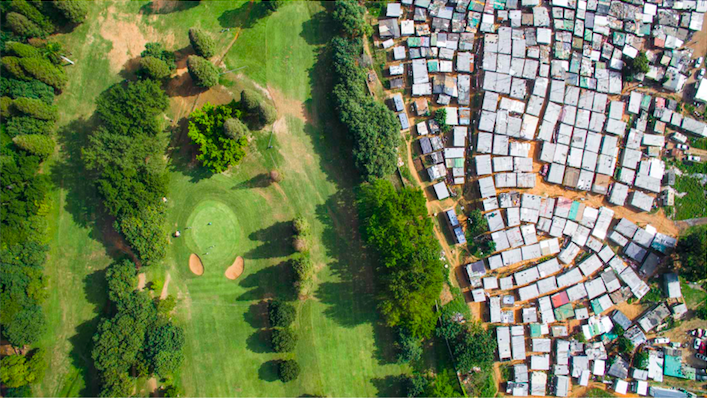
[(288, 106), (165, 287), (127, 38), (236, 269), (141, 281), (195, 265)]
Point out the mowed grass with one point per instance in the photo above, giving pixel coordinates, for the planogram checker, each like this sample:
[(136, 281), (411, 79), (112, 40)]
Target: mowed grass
[(343, 347)]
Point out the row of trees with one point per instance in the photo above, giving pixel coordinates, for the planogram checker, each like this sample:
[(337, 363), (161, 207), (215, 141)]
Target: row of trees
[(373, 127), (138, 338), (396, 225), (32, 75), (125, 157)]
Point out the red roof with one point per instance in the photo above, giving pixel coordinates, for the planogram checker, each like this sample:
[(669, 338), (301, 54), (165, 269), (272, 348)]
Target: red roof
[(559, 299)]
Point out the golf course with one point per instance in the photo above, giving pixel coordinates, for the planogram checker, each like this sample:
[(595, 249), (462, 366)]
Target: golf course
[(344, 349)]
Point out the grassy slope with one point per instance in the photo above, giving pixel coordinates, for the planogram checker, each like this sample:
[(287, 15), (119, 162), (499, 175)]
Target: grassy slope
[(226, 346)]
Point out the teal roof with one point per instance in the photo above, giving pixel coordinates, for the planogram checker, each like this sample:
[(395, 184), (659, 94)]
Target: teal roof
[(673, 367), (564, 312), (535, 330)]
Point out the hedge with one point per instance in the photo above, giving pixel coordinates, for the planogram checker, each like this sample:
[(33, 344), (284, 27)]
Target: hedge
[(154, 68), (22, 26), (44, 71), (36, 144), (36, 108), (19, 125), (203, 72), (33, 14), (202, 43), (15, 88), (22, 50), (73, 10)]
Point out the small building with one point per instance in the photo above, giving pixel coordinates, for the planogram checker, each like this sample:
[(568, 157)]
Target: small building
[(672, 285)]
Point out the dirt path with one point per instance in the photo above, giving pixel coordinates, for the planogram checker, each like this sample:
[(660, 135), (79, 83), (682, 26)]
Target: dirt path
[(685, 224), (141, 281), (165, 287)]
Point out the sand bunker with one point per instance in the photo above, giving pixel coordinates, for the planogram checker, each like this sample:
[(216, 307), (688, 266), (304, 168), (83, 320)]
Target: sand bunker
[(195, 265), (236, 269)]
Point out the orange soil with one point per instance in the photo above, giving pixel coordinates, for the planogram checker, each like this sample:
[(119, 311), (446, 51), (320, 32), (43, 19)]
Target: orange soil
[(195, 265), (236, 269)]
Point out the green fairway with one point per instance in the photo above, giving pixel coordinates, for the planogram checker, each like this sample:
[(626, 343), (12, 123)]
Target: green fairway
[(213, 234), (343, 348)]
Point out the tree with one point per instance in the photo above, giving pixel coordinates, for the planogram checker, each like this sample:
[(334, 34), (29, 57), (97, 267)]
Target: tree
[(166, 306), (122, 279), (202, 43), (299, 243), (349, 16), (637, 65), (132, 109), (36, 144), (157, 50), (288, 370), (249, 100), (691, 253), (116, 384), (234, 129), (19, 125), (283, 339), (44, 71), (154, 68), (415, 385), (26, 327), (22, 26), (15, 371), (73, 10), (443, 386), (303, 267), (273, 5), (448, 328), (22, 50), (301, 226), (203, 72), (410, 348), (701, 312), (281, 314), (163, 348), (23, 7), (476, 223), (475, 349), (266, 113), (441, 119), (145, 233), (15, 88), (640, 360), (35, 108), (275, 176), (216, 151), (625, 346)]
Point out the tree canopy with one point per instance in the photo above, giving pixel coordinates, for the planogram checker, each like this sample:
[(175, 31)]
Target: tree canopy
[(202, 71), (217, 151), (691, 252), (202, 43), (396, 224), (349, 16)]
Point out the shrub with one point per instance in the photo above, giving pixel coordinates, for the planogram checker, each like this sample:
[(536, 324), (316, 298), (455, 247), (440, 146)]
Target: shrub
[(410, 348), (624, 345), (299, 244), (73, 10), (203, 72), (303, 267), (283, 340), (36, 144), (31, 89), (234, 129), (273, 5), (415, 385), (33, 14), (281, 314), (13, 67), (22, 50), (266, 113), (275, 176), (288, 370), (158, 51), (249, 100), (202, 43), (44, 71), (36, 108), (154, 68), (301, 226), (701, 312), (19, 125), (6, 107), (22, 26)]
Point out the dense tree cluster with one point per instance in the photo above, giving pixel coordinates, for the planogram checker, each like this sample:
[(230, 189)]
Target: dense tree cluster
[(396, 224), (349, 15), (691, 254), (217, 150), (137, 338), (372, 126), (125, 155), (472, 345)]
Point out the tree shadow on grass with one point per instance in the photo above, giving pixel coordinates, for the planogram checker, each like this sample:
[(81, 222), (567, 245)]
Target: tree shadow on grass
[(257, 315), (167, 7), (389, 386), (276, 241), (239, 17), (259, 342), (271, 281), (318, 29), (268, 371), (261, 180)]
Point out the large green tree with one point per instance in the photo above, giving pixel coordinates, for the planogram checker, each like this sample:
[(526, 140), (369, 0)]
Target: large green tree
[(691, 253), (217, 151), (349, 15)]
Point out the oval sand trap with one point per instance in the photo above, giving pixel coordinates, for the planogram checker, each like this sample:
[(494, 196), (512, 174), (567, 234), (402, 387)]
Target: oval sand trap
[(236, 269), (195, 265)]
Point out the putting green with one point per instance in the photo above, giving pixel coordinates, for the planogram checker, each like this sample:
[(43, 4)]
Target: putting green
[(219, 239)]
